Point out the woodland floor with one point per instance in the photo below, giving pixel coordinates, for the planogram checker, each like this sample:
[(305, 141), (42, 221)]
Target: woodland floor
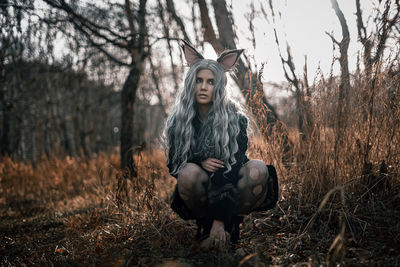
[(71, 213)]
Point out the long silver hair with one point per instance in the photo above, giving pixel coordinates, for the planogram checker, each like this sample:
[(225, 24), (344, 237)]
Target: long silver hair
[(225, 113)]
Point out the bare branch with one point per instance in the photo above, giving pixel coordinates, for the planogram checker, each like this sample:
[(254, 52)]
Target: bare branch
[(387, 25), (172, 11), (89, 25), (362, 31), (197, 32), (166, 33), (224, 24), (99, 46), (362, 35), (305, 77), (157, 39), (130, 18), (155, 76), (209, 32), (333, 38), (142, 29), (283, 60), (343, 45), (343, 23)]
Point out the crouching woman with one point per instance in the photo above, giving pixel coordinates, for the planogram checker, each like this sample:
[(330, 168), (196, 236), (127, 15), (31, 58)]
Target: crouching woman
[(206, 141)]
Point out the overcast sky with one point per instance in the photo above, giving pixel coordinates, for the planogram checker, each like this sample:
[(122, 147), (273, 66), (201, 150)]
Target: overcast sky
[(303, 25)]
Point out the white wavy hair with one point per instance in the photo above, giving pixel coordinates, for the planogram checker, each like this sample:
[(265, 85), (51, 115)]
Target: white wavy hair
[(179, 130)]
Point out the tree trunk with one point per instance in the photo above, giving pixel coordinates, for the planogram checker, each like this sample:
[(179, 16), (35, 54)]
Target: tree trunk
[(68, 141), (32, 144), (47, 121), (167, 35), (244, 78), (6, 107), (344, 86), (248, 81), (128, 97), (5, 132), (6, 114)]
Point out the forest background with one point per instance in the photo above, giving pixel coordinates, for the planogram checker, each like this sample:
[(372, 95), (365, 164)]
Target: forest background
[(85, 90)]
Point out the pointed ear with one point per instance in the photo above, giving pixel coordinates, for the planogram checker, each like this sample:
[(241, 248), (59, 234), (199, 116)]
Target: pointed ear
[(191, 54), (229, 58)]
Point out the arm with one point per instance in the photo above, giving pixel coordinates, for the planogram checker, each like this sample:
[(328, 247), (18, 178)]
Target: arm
[(242, 140)]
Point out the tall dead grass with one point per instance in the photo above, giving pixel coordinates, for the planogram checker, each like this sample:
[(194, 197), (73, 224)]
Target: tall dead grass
[(348, 178), (369, 136)]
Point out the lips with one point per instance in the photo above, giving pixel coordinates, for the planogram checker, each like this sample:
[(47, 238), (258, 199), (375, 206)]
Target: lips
[(203, 95)]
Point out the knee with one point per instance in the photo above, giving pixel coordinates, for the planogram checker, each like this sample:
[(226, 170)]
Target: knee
[(191, 176), (257, 171), (253, 173)]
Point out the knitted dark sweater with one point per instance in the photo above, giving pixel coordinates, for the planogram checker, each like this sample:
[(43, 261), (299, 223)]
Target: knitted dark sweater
[(222, 187)]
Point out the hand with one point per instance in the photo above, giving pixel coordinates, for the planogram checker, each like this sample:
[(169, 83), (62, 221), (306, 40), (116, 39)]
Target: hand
[(218, 234), (212, 164)]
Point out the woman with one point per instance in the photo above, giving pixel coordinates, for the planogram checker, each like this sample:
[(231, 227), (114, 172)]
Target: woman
[(206, 139)]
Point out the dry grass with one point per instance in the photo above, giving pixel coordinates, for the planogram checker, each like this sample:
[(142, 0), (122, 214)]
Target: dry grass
[(72, 212), (75, 211)]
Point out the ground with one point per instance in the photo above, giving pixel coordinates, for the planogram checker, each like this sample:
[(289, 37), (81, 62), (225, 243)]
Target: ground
[(77, 212)]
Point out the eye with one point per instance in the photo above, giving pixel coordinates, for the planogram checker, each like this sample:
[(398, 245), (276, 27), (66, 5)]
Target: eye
[(199, 80), (211, 82)]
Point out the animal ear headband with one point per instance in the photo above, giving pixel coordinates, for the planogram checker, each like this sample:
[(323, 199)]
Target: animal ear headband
[(227, 59)]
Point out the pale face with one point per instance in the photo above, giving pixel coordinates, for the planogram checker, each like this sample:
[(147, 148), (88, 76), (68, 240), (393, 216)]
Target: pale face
[(205, 80)]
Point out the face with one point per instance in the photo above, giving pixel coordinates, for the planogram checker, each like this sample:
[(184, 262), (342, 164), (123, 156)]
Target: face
[(205, 80)]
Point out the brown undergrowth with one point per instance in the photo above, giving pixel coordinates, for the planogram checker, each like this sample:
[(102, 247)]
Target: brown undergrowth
[(82, 212)]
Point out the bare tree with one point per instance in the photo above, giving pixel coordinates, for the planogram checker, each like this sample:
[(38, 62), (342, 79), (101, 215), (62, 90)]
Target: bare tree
[(344, 86), (17, 41), (128, 39), (376, 42), (300, 87), (245, 78), (301, 90), (166, 29), (374, 46)]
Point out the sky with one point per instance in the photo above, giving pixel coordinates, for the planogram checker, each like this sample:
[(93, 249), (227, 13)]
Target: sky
[(303, 25)]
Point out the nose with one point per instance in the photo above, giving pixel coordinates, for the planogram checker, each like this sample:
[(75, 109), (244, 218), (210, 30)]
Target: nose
[(204, 85)]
